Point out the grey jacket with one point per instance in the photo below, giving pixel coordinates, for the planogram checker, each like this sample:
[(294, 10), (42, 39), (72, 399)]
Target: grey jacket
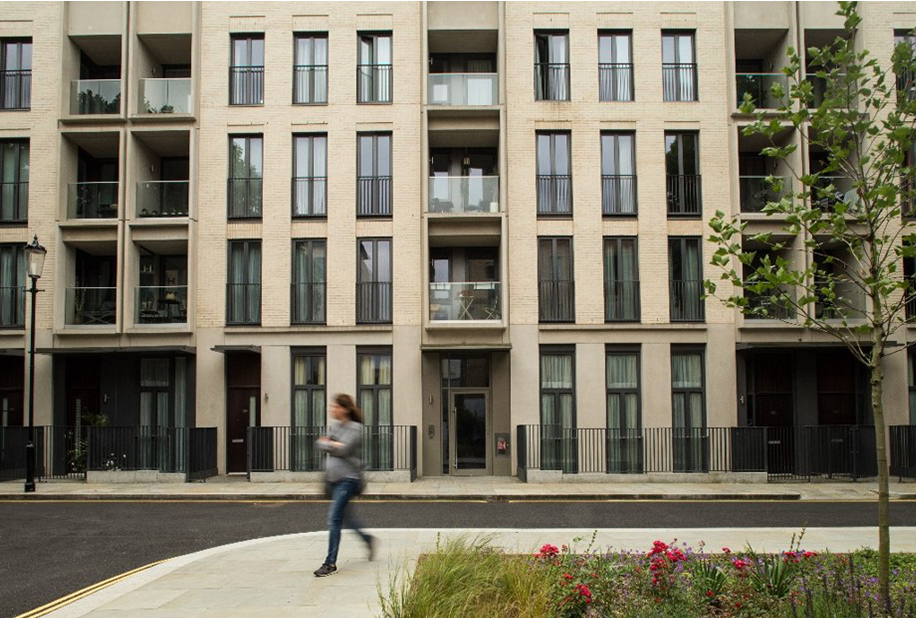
[(345, 461)]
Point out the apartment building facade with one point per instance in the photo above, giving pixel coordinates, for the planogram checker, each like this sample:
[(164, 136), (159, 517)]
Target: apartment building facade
[(486, 220)]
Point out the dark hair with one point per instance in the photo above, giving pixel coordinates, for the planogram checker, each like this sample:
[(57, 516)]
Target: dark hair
[(346, 402)]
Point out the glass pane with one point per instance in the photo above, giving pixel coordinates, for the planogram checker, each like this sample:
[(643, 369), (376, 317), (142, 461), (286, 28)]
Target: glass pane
[(556, 371), (685, 49), (621, 371), (686, 370), (366, 156), (303, 157), (319, 263), (383, 50), (238, 157), (383, 263), (154, 372), (543, 154), (625, 155), (320, 51), (320, 156), (255, 157), (608, 160), (561, 154), (239, 52), (668, 49), (605, 49), (257, 52), (622, 48), (366, 255), (470, 432), (300, 364), (384, 155)]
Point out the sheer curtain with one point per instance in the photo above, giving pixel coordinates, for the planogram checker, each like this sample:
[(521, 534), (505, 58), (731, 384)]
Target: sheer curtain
[(309, 403), (688, 420), (558, 444), (623, 420), (254, 283)]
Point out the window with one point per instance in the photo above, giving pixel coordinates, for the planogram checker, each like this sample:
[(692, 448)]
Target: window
[(374, 175), (15, 73), (243, 295), (908, 183), (554, 174), (373, 281), (556, 287), (618, 174), (246, 166), (906, 81), (679, 69), (911, 380), (309, 408), (551, 66), (12, 286), (685, 265), (14, 181), (615, 66), (374, 399), (624, 421), (309, 281), (310, 73), (621, 280), (909, 275), (682, 167), (246, 75), (688, 407), (558, 410), (310, 176), (374, 71), (154, 413)]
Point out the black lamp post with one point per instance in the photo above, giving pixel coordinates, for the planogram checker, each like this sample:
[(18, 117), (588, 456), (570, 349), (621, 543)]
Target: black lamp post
[(35, 260)]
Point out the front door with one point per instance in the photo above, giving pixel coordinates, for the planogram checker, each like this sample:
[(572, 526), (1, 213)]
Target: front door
[(242, 411), (470, 430)]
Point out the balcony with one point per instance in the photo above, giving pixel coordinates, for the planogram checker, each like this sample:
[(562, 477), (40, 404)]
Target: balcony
[(373, 83), (679, 82), (310, 84), (756, 192), (463, 89), (477, 300), (684, 195), (165, 96), (95, 96), (246, 85), (555, 195), (308, 303), (615, 82), (759, 86), (687, 301), (14, 202), (772, 305), (618, 195), (374, 196), (12, 306), (90, 306), (463, 194), (93, 200), (373, 302), (310, 196), (845, 301), (556, 301), (621, 301), (16, 89), (162, 198), (162, 304)]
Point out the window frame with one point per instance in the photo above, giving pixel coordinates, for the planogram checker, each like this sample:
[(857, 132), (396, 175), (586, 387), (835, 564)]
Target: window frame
[(25, 74), (566, 454), (615, 140), (681, 242), (619, 241), (614, 65), (247, 244), (693, 442), (375, 36), (378, 453), (552, 257), (20, 206), (311, 137), (254, 75), (8, 305), (314, 70), (552, 208), (383, 314), (249, 214), (381, 192), (681, 184), (546, 85), (677, 63), (310, 244)]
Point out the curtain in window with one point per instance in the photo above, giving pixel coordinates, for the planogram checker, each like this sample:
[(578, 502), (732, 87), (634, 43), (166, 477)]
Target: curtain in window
[(254, 280), (556, 371), (623, 423), (688, 414), (621, 279), (312, 77), (912, 383), (309, 406), (12, 276), (558, 439), (236, 281), (14, 179)]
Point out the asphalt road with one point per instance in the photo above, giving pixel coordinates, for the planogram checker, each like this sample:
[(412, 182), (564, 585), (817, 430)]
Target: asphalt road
[(50, 549)]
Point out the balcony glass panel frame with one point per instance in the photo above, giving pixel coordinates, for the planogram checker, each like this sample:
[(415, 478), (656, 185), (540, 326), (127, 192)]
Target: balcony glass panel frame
[(95, 97), (463, 89), (464, 194), (162, 198), (90, 306), (760, 86), (161, 304), (93, 200), (465, 301), (168, 95)]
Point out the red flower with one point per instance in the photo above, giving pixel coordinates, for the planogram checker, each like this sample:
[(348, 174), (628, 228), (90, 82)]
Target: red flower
[(709, 593), (726, 550)]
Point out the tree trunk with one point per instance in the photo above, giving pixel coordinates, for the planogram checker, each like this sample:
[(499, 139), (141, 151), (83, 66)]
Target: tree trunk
[(884, 538)]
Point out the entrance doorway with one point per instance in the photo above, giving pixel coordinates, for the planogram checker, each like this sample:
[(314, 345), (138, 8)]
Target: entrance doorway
[(243, 371), (470, 427)]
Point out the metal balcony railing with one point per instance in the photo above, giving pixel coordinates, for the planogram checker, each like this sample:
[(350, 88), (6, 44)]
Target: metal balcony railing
[(16, 89), (554, 195), (308, 302), (477, 300), (373, 83), (95, 96), (759, 86), (679, 81), (463, 194), (615, 82), (93, 200), (463, 89), (14, 202), (90, 306), (556, 301), (373, 302), (687, 301), (618, 195), (12, 306), (621, 301), (310, 84), (161, 304), (374, 196), (246, 85), (551, 81), (162, 198), (165, 96), (684, 195), (310, 196)]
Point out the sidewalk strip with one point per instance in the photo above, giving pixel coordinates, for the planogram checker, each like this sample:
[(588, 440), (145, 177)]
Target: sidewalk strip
[(79, 594)]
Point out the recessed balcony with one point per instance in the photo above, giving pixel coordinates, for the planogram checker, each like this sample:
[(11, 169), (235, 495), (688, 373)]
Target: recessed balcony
[(757, 191), (161, 304), (92, 200), (759, 86), (164, 96), (162, 198), (95, 96), (464, 301), (464, 194), (463, 89), (90, 306)]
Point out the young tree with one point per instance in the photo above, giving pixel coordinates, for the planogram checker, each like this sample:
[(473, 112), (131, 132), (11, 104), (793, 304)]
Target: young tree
[(846, 219)]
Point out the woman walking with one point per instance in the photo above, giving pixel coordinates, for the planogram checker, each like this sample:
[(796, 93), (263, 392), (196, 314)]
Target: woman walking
[(343, 475)]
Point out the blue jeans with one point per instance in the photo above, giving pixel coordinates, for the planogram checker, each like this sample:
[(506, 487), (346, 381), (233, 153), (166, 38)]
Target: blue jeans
[(341, 493)]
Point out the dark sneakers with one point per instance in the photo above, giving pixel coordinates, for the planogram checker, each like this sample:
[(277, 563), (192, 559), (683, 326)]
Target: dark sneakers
[(371, 546), (326, 569)]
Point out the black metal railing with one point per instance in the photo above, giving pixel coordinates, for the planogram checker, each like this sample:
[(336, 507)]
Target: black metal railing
[(246, 85), (12, 306), (136, 448), (684, 194), (621, 301), (310, 84), (902, 451), (16, 89), (310, 196), (615, 81), (373, 83), (373, 302), (373, 197), (385, 448), (556, 301), (12, 452), (796, 452), (245, 198), (243, 303), (555, 194), (308, 302), (618, 195), (687, 301), (201, 458), (551, 81), (679, 81), (14, 202)]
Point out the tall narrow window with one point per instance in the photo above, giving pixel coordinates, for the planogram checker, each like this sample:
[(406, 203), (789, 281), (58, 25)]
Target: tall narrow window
[(246, 164), (309, 408), (15, 73), (618, 174), (309, 281), (554, 174), (556, 286), (911, 380), (621, 280), (551, 66), (906, 81), (243, 294), (909, 276), (12, 286), (373, 281), (624, 422), (682, 168), (373, 197), (246, 75), (688, 407), (685, 272), (615, 66), (14, 181), (151, 442), (558, 410), (310, 73), (374, 71), (374, 399), (310, 181), (679, 68)]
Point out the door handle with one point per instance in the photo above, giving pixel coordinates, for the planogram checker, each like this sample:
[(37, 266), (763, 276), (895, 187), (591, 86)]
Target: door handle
[(238, 440)]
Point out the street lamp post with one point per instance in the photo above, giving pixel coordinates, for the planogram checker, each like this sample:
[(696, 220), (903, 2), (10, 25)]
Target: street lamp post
[(35, 260)]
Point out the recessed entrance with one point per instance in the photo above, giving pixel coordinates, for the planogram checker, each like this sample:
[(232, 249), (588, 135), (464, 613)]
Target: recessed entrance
[(469, 430)]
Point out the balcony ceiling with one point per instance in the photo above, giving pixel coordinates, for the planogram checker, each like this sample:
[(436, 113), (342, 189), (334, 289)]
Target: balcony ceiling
[(94, 247), (753, 44), (463, 138), (166, 143), (168, 48), (104, 50), (463, 41), (756, 143), (99, 145), (171, 246)]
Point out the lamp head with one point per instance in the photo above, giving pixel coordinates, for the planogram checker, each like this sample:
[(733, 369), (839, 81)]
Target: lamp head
[(35, 258)]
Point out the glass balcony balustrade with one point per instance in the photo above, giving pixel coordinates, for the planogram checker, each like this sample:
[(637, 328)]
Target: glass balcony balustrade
[(95, 96), (162, 198), (463, 194), (161, 304), (463, 89), (759, 86), (464, 301), (165, 96), (90, 306), (92, 200)]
